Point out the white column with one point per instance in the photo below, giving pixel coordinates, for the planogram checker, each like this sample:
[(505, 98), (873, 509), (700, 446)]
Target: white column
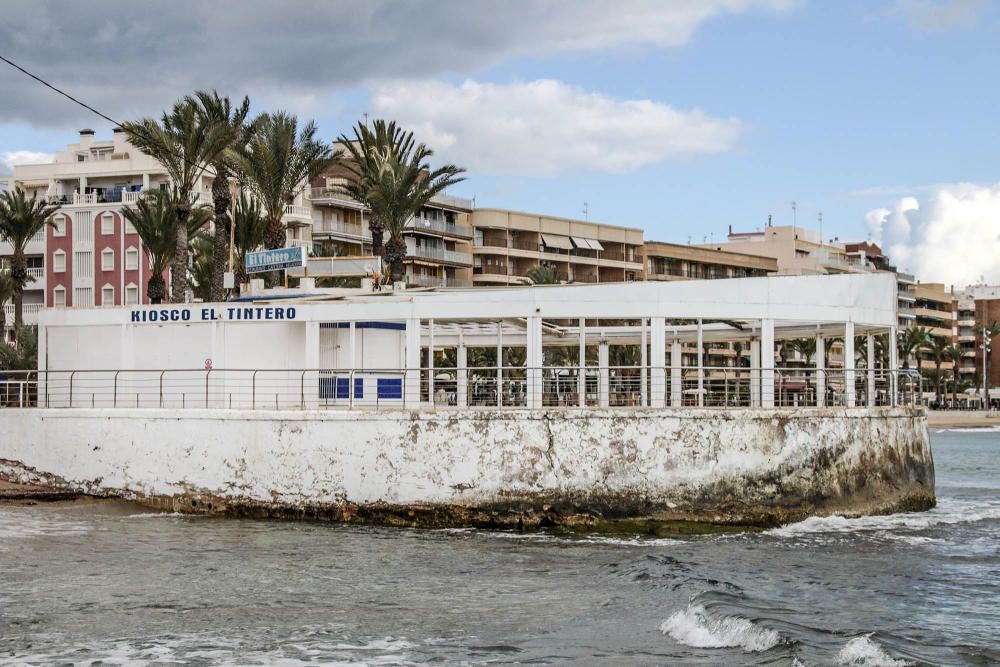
[(604, 385), (767, 363), (311, 356), (657, 361), (894, 366), (755, 373), (849, 396), (462, 372), (352, 359), (411, 395), (581, 379), (533, 356), (820, 370), (83, 184), (430, 361), (701, 364), (500, 363), (870, 342), (145, 182), (644, 366), (676, 374)]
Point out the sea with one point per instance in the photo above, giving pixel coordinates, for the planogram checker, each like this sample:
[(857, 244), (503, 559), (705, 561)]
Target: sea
[(107, 584)]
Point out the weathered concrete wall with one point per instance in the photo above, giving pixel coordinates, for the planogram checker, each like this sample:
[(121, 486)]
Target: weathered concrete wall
[(505, 468)]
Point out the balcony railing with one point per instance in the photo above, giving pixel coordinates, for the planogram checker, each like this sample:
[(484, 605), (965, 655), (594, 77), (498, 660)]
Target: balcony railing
[(89, 198), (298, 214), (439, 226), (36, 272), (437, 281), (440, 254), (343, 229), (29, 309)]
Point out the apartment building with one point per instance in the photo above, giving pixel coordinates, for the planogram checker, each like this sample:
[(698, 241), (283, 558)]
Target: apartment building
[(509, 244), (868, 254), (438, 238), (671, 261), (798, 250), (986, 311)]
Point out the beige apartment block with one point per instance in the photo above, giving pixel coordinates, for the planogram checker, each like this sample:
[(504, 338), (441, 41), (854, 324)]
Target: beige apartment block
[(798, 250), (671, 261), (509, 244)]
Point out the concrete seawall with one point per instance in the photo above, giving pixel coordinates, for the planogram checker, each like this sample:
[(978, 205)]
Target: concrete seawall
[(514, 468)]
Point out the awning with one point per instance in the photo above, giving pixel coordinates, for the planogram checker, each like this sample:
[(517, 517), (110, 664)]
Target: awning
[(580, 243), (560, 242), (596, 245)]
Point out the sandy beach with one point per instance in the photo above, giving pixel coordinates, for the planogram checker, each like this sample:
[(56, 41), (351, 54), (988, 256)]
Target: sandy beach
[(962, 418)]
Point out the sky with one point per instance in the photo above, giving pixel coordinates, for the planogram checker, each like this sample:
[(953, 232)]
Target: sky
[(682, 117)]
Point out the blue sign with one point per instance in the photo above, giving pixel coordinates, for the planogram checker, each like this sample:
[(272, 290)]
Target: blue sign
[(272, 260)]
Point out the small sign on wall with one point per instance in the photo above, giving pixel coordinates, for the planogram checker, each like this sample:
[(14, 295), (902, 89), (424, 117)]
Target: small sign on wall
[(273, 260)]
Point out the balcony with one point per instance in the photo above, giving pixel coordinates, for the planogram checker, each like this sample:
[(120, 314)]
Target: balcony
[(437, 281), (300, 243), (88, 199), (332, 195), (439, 254), (450, 228), (30, 311), (297, 216), (356, 233), (908, 313)]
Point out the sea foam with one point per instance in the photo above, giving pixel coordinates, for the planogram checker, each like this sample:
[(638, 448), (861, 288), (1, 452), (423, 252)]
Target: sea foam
[(694, 627), (864, 652)]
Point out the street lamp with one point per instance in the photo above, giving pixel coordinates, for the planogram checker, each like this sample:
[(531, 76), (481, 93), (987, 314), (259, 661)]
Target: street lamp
[(985, 347)]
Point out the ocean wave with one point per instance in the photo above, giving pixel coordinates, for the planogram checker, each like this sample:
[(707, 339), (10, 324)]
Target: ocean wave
[(694, 627), (946, 512), (18, 525), (991, 428), (864, 652), (156, 515)]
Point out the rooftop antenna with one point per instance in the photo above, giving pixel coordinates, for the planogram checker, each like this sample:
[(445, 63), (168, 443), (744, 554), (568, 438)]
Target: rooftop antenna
[(689, 239), (768, 219), (586, 211), (365, 114), (795, 219), (820, 217)]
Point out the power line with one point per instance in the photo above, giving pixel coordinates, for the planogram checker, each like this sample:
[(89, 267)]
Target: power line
[(61, 92)]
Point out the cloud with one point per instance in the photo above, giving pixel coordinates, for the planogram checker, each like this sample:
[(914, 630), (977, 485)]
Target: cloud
[(952, 236), (131, 59), (544, 128), (9, 158), (942, 14)]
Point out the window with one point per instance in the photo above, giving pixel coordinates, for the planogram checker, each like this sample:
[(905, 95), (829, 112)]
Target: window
[(107, 223), (107, 260), (83, 228), (59, 261), (131, 259), (129, 227), (83, 265), (59, 297), (131, 294), (83, 297), (60, 228), (108, 295)]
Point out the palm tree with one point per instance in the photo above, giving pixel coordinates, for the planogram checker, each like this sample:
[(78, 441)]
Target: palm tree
[(20, 219), (394, 180), (7, 290), (201, 273), (220, 111), (276, 162), (543, 274), (911, 340), (186, 144), (368, 154), (804, 346), (248, 233), (24, 355), (937, 346), (157, 223), (954, 352)]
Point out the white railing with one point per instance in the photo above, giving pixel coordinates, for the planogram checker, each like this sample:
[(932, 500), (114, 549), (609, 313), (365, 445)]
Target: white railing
[(27, 309), (439, 254), (344, 229), (437, 281), (88, 199), (439, 226), (300, 243), (131, 197), (491, 387), (298, 212), (36, 272)]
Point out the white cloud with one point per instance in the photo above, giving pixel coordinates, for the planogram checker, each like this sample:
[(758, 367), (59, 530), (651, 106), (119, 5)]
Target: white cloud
[(942, 14), (9, 158), (545, 127), (952, 236), (298, 48)]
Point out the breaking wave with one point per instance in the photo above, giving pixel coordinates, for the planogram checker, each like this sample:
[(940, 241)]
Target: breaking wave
[(694, 627), (946, 512), (18, 525), (864, 652)]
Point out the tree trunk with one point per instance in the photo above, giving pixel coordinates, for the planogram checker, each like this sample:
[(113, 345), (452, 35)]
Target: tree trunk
[(220, 247), (395, 252), (954, 387), (19, 273), (156, 288), (377, 229), (179, 268)]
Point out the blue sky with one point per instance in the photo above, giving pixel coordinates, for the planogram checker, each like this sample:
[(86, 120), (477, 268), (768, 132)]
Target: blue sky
[(850, 108)]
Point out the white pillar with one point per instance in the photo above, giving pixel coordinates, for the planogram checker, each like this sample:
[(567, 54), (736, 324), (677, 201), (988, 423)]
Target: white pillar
[(311, 379), (581, 379), (604, 385), (676, 374), (820, 370), (894, 366), (701, 364), (849, 396), (352, 359), (411, 395), (767, 363), (430, 361), (644, 365), (657, 361), (870, 342), (755, 373), (462, 372), (533, 356), (145, 182)]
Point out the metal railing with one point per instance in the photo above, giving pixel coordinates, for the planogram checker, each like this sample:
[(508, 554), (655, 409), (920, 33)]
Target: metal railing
[(474, 387), (440, 226), (413, 250)]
